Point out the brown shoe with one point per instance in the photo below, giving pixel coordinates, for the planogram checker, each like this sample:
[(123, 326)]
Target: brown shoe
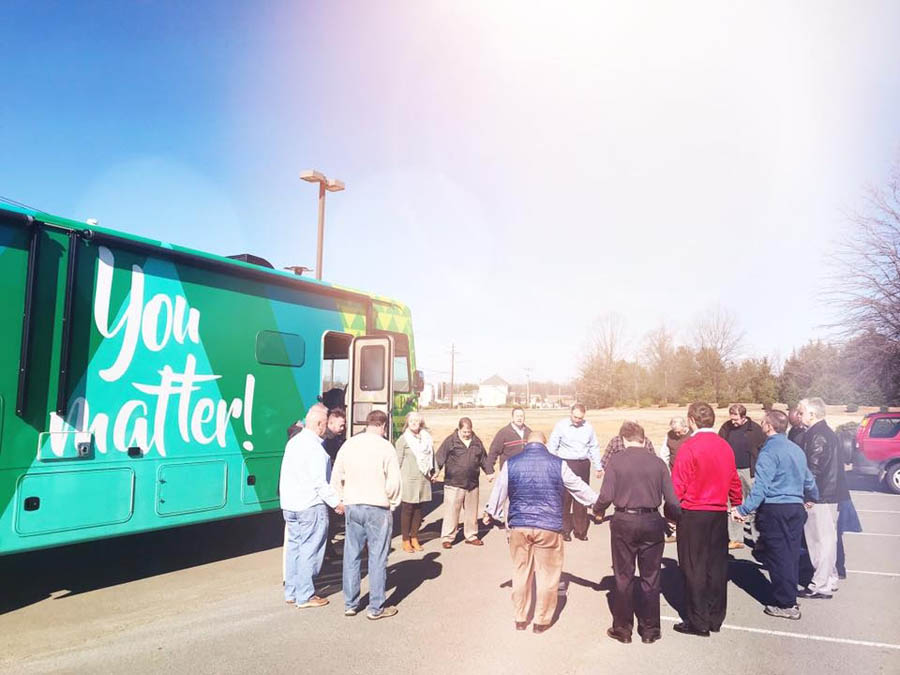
[(407, 546), (475, 542), (414, 542), (735, 544), (521, 625), (446, 544), (314, 601), (539, 628)]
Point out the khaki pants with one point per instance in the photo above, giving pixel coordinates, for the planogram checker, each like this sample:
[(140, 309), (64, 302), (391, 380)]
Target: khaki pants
[(537, 556), (736, 530), (454, 500), (821, 542)]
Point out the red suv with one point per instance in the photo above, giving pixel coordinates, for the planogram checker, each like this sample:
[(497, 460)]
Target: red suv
[(878, 448)]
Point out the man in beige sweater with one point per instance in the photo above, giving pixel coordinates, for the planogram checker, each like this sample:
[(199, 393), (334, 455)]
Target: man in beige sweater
[(366, 477)]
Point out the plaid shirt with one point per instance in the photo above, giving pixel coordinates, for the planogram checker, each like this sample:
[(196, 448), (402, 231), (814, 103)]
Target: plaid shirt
[(617, 444)]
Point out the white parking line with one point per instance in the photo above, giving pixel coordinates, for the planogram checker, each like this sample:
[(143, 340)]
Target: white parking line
[(873, 534), (874, 511), (802, 636), (881, 574)]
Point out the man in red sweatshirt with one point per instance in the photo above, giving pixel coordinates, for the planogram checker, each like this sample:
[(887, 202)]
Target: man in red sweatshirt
[(705, 478)]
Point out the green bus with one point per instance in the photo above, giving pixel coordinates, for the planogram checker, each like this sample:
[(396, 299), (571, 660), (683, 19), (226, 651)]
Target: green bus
[(145, 385)]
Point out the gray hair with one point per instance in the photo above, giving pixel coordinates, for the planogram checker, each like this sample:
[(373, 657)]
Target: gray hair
[(815, 405), (677, 423), (415, 414), (315, 412)]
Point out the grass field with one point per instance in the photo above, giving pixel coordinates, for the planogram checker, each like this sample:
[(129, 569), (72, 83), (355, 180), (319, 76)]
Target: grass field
[(488, 421)]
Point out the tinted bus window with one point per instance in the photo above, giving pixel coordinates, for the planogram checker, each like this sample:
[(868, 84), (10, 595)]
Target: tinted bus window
[(371, 368), (280, 349)]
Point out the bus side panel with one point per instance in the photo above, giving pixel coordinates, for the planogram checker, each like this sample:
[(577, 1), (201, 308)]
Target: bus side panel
[(170, 382)]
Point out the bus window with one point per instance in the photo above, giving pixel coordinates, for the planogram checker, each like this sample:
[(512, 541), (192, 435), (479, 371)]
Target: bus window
[(371, 370), (401, 374), (280, 349), (401, 360), (335, 360)]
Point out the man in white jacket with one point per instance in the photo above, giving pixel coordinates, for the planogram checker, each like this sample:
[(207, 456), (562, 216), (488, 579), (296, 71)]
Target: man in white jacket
[(305, 497)]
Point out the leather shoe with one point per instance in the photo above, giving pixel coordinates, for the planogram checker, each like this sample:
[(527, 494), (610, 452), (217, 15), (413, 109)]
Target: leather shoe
[(539, 628), (581, 537), (521, 625), (650, 639), (446, 544), (567, 537), (624, 639), (474, 542), (688, 629)]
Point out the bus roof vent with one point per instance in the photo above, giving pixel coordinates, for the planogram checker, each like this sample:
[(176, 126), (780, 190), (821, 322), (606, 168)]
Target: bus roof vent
[(252, 259)]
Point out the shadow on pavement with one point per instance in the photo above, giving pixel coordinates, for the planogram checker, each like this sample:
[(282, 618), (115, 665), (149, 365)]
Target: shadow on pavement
[(406, 576), (36, 575), (747, 575)]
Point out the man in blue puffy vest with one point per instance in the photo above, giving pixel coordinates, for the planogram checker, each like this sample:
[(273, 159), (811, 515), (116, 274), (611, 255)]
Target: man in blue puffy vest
[(535, 482)]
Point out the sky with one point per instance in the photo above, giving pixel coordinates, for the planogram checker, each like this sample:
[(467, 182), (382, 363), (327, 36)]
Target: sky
[(513, 170)]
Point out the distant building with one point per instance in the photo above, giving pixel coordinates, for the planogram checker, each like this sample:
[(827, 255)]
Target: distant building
[(426, 398), (493, 391)]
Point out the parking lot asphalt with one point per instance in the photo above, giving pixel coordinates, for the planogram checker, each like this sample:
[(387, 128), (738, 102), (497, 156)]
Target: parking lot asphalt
[(207, 599)]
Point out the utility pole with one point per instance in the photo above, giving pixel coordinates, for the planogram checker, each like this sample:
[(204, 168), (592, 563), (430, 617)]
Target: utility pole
[(528, 387), (452, 364)]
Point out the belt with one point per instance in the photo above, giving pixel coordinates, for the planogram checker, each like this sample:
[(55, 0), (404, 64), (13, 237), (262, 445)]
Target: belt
[(620, 509)]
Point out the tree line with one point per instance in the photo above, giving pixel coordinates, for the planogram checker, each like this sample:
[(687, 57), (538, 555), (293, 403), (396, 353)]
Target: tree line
[(859, 365)]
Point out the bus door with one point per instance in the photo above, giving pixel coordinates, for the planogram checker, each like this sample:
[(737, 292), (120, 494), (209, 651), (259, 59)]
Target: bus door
[(371, 380)]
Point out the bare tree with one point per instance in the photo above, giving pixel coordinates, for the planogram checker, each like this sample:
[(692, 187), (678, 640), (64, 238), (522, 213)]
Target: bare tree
[(865, 287), (659, 354), (718, 330), (606, 341), (718, 338)]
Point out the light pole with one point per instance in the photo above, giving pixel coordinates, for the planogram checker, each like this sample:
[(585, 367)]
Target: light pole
[(332, 185)]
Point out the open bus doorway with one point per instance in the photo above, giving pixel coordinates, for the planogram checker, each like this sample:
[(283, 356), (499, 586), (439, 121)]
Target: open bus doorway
[(336, 361)]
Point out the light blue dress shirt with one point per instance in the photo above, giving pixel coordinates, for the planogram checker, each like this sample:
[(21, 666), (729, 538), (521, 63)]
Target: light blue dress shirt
[(570, 442)]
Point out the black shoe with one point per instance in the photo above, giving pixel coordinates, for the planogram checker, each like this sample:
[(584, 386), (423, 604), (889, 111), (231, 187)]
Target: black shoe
[(624, 639), (687, 629), (539, 628), (521, 625), (581, 537), (567, 537), (650, 639)]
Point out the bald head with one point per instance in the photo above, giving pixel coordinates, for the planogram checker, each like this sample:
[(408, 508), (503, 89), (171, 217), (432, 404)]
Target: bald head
[(317, 419), (536, 437)]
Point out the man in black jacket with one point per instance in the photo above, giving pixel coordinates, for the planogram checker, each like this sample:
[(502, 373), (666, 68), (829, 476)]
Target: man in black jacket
[(745, 437), (461, 455), (822, 450), (510, 440)]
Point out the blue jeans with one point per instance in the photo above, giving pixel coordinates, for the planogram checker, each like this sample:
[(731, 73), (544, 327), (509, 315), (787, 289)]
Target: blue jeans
[(372, 525), (307, 531)]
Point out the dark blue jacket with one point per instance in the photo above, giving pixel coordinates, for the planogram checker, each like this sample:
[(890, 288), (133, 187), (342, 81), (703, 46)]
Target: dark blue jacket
[(535, 489)]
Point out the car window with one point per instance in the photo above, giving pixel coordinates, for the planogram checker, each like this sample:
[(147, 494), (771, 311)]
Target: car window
[(886, 427)]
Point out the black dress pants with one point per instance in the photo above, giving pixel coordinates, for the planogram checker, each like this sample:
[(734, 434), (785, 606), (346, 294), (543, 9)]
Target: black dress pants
[(575, 518), (781, 528), (638, 536), (703, 558)]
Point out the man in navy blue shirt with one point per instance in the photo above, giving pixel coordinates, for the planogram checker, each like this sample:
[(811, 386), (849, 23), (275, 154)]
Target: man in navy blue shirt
[(782, 484)]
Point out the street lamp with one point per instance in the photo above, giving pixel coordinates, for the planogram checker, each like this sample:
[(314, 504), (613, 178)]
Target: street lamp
[(332, 185)]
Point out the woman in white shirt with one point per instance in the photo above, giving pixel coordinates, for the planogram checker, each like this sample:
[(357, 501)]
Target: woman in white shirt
[(415, 452)]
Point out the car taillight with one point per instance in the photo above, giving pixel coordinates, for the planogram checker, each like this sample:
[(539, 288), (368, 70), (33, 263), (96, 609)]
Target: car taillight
[(861, 429)]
